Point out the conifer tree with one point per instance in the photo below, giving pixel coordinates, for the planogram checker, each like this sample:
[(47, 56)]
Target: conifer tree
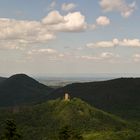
[(66, 133), (11, 132)]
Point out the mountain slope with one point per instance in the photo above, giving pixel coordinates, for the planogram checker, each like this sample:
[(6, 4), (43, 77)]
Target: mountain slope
[(2, 79), (21, 89), (46, 119), (120, 96)]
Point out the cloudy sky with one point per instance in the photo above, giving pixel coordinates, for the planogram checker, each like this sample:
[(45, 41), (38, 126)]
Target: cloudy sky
[(65, 37)]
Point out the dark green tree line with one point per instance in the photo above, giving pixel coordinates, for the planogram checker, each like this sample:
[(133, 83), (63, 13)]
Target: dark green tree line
[(10, 132)]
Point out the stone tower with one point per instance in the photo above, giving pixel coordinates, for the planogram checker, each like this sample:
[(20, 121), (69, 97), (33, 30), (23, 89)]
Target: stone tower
[(67, 97)]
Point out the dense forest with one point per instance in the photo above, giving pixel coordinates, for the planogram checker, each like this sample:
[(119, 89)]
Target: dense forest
[(52, 119), (107, 110)]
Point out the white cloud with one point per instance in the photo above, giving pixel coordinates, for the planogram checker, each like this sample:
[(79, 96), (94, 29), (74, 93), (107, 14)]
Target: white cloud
[(72, 22), (102, 44), (68, 6), (53, 17), (108, 55), (75, 22), (87, 57), (101, 57), (118, 5), (22, 33), (115, 42), (102, 21), (48, 54), (44, 50), (130, 42), (17, 34)]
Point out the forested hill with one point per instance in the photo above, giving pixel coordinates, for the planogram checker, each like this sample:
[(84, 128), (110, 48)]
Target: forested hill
[(45, 120), (21, 89), (119, 96), (2, 79), (29, 103)]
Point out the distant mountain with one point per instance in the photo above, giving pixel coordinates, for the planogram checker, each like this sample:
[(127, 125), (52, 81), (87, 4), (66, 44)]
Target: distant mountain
[(120, 96), (21, 89), (2, 79), (44, 121)]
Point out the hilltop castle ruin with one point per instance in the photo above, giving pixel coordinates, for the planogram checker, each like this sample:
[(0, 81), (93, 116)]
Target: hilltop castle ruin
[(67, 97)]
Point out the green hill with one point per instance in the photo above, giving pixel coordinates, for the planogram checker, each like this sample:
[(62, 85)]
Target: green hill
[(45, 120), (118, 96), (21, 89), (109, 135)]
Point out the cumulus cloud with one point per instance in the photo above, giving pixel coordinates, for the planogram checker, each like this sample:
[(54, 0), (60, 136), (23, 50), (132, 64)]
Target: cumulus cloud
[(68, 6), (53, 17), (75, 22), (103, 44), (130, 42), (115, 42), (72, 22), (118, 5), (102, 21), (25, 32)]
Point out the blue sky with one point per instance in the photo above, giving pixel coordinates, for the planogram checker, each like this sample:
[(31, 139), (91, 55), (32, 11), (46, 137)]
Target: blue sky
[(66, 37)]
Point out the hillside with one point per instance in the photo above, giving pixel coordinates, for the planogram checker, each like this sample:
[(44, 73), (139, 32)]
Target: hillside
[(2, 79), (120, 96), (45, 120), (21, 89)]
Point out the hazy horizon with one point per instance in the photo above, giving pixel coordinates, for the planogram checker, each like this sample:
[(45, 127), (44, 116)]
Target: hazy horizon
[(76, 75)]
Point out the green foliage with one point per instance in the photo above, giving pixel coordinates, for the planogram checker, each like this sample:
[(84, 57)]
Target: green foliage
[(118, 96), (10, 132), (59, 119), (67, 133), (48, 121), (110, 135)]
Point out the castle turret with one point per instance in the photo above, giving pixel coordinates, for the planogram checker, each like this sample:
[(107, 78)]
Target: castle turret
[(67, 97)]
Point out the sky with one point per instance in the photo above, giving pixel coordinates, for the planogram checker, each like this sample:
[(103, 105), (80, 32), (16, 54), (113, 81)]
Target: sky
[(69, 37)]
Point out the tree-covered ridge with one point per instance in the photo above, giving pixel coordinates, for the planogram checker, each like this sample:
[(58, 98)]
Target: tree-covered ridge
[(37, 117), (2, 79), (118, 96), (11, 132), (46, 120), (21, 89)]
